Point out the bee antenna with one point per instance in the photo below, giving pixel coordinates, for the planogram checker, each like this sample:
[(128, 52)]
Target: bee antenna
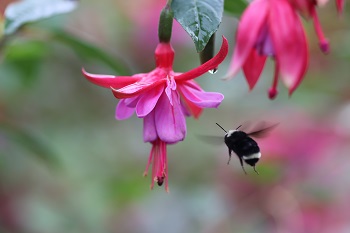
[(238, 127), (221, 127)]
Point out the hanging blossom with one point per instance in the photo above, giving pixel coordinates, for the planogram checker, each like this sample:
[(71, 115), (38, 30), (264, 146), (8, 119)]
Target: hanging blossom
[(270, 28), (307, 8), (162, 98)]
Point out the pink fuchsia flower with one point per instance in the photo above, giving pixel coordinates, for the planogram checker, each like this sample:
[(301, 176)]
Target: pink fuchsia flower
[(308, 9), (162, 98), (270, 28), (303, 149)]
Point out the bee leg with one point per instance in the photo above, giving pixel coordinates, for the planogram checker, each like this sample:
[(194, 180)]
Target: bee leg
[(229, 156), (241, 160), (255, 170)]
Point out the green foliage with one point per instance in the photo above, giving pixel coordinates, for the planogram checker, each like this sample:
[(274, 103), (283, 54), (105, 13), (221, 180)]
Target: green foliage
[(200, 19), (24, 58), (235, 7), (26, 11), (124, 189), (27, 140), (87, 51)]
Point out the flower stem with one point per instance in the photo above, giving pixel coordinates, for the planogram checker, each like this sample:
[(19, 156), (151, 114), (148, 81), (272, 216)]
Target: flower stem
[(208, 52), (165, 24), (273, 90), (323, 42)]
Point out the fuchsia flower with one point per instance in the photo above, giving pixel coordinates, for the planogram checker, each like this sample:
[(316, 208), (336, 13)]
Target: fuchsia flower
[(270, 28), (162, 98), (308, 9)]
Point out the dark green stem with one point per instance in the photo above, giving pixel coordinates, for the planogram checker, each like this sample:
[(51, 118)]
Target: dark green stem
[(165, 23), (208, 52)]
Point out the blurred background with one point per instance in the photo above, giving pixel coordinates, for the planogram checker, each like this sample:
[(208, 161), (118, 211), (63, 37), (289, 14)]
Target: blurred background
[(66, 165)]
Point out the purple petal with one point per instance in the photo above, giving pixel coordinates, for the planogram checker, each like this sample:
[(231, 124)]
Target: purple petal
[(171, 86), (184, 109), (131, 102), (264, 43), (148, 101), (149, 128), (191, 107), (199, 97), (122, 111), (170, 120)]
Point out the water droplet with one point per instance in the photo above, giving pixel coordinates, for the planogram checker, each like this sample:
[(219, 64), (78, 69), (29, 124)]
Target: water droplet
[(213, 71)]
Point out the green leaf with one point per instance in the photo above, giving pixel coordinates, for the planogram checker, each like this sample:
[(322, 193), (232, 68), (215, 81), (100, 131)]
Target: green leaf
[(24, 58), (200, 19), (25, 11), (2, 25), (235, 7), (26, 139), (125, 189), (88, 51)]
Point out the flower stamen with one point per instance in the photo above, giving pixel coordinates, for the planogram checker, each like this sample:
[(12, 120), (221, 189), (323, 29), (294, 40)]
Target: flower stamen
[(323, 42), (158, 158), (273, 90)]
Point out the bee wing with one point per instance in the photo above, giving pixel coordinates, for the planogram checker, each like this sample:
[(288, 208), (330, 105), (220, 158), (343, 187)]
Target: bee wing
[(262, 129), (214, 140), (245, 126)]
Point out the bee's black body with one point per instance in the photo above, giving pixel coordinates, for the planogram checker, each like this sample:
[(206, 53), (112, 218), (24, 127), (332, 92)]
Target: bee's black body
[(244, 147), (242, 144)]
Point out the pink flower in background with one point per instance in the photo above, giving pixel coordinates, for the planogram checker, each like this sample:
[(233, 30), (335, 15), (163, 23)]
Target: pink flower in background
[(308, 9), (320, 216), (302, 147), (146, 22), (3, 5), (270, 28), (340, 5), (162, 98), (303, 171)]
